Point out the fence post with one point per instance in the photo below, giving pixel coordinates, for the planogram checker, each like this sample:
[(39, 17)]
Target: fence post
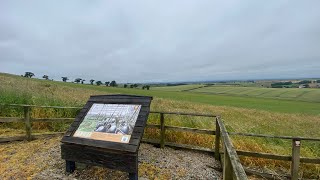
[(295, 159), (162, 130), (217, 141), (27, 122), (227, 167)]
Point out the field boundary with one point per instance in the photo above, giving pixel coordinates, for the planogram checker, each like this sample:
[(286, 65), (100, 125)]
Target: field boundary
[(231, 162)]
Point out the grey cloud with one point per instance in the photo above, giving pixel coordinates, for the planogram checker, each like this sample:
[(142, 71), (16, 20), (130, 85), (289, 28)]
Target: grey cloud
[(144, 41)]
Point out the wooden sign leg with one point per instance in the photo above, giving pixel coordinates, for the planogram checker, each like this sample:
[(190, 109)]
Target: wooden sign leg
[(70, 166), (133, 176)]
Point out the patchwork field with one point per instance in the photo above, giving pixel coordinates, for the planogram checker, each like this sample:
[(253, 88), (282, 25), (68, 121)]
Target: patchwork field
[(240, 114), (304, 94)]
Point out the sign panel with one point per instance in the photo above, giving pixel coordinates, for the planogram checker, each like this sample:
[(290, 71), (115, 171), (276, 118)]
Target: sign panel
[(109, 122)]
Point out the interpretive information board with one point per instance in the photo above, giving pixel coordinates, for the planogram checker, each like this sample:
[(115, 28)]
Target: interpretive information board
[(109, 122)]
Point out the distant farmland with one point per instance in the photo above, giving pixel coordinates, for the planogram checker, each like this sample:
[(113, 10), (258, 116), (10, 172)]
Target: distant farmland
[(305, 94), (240, 113)]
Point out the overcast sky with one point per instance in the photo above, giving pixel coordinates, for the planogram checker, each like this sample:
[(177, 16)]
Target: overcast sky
[(160, 41)]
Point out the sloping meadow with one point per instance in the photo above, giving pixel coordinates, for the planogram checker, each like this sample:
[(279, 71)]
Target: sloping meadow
[(39, 92)]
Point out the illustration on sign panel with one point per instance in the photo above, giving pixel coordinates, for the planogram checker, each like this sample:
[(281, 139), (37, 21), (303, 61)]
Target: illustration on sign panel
[(109, 122)]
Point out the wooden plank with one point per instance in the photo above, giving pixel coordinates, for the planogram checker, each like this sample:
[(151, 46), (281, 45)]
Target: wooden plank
[(194, 130), (156, 126), (272, 136), (162, 130), (21, 138), (97, 156), (27, 122), (10, 139), (238, 170), (121, 96), (100, 144), (39, 106), (310, 160), (264, 155), (227, 166), (295, 159), (175, 145), (265, 175), (50, 119), (11, 119), (182, 113), (143, 102), (217, 142)]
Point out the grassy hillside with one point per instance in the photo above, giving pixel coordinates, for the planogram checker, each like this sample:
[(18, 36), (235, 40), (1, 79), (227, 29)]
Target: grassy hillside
[(177, 88), (305, 94), (241, 114)]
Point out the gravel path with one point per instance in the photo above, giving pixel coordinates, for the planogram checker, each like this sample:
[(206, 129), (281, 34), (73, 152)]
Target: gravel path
[(154, 163)]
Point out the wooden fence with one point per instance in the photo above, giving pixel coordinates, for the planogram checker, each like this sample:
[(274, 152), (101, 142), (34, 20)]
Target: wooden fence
[(232, 168)]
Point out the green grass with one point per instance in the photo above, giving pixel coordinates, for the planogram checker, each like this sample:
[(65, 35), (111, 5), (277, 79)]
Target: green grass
[(240, 114), (296, 94), (177, 88)]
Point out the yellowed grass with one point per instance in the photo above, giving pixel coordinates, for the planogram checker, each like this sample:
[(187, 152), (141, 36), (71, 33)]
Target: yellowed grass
[(21, 160), (236, 120)]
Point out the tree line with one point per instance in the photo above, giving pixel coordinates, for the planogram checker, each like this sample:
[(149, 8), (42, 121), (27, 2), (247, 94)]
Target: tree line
[(113, 83)]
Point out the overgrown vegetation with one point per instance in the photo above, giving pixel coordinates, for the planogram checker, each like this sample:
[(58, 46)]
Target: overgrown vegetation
[(252, 115)]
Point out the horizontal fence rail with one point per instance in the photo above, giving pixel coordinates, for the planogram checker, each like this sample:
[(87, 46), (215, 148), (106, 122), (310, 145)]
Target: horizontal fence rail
[(230, 155)]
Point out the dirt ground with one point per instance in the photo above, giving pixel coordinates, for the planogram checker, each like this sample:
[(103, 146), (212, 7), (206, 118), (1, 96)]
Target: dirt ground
[(41, 159)]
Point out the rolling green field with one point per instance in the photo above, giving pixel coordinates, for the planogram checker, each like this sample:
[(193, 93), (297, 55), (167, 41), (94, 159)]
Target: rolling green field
[(177, 88), (240, 114), (304, 94)]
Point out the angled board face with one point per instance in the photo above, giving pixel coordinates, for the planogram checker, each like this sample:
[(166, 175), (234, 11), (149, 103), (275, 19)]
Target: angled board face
[(115, 122), (109, 122)]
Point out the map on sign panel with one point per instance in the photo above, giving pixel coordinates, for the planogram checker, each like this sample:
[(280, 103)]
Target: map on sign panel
[(109, 122)]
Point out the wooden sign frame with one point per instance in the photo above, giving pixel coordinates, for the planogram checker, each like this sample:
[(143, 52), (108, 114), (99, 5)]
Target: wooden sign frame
[(114, 155)]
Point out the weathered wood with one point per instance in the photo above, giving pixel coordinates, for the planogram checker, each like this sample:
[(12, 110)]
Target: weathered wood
[(272, 136), (27, 122), (38, 106), (175, 145), (156, 126), (264, 155), (227, 166), (238, 170), (70, 166), (35, 136), (295, 159), (183, 129), (182, 113), (265, 175), (194, 130), (100, 144), (162, 130), (217, 141), (50, 119), (10, 139), (11, 119), (114, 155), (133, 176), (120, 160), (310, 160)]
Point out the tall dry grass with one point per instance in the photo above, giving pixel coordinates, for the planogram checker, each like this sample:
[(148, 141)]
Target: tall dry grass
[(26, 91)]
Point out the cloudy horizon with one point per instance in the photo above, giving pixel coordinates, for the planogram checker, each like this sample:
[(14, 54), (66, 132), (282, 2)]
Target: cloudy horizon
[(161, 41)]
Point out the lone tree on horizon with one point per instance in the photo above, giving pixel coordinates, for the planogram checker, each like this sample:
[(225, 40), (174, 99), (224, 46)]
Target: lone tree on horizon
[(107, 83), (98, 83), (125, 85), (77, 80), (82, 81), (113, 83), (146, 87), (91, 81), (64, 79), (29, 74), (46, 77)]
